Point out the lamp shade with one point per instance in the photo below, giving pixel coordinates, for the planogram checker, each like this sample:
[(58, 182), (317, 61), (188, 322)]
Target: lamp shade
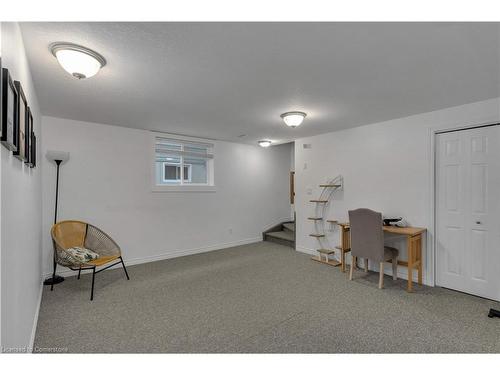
[(57, 155), (265, 143), (79, 61), (294, 118)]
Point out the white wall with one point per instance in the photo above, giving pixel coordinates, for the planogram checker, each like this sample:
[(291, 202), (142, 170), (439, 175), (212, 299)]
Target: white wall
[(107, 182), (386, 167), (1, 200), (292, 169), (20, 214)]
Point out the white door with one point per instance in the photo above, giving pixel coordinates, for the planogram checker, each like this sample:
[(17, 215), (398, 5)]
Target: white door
[(468, 211)]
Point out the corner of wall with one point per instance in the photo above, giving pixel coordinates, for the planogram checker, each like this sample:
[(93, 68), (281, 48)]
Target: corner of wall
[(20, 206)]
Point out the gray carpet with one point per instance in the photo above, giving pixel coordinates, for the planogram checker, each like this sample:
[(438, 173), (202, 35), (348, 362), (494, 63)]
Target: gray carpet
[(262, 297)]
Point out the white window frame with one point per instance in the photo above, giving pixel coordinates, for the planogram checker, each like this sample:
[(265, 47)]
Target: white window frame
[(188, 186), (188, 180)]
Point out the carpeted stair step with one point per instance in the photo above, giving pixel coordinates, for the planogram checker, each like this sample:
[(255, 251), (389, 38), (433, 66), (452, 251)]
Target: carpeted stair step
[(286, 238), (289, 227), (283, 235)]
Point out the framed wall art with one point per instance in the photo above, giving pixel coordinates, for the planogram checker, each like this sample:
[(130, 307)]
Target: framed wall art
[(9, 112), (1, 97), (33, 150), (22, 121), (29, 137)]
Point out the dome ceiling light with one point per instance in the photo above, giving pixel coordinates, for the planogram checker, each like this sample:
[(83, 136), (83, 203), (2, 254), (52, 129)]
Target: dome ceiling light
[(78, 61), (294, 118), (265, 143)]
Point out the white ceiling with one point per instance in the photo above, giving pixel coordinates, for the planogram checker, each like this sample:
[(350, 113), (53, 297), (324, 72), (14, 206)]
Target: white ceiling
[(222, 80)]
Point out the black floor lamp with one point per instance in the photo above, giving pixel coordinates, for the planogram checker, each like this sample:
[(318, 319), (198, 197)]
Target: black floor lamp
[(58, 157)]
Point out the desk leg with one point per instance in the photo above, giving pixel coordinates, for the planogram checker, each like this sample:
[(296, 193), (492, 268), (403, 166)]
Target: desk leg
[(409, 246), (344, 246), (342, 260), (418, 250)]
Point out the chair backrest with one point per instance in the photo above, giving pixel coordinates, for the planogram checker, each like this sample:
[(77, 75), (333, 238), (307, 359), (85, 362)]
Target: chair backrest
[(69, 233), (367, 234), (72, 233)]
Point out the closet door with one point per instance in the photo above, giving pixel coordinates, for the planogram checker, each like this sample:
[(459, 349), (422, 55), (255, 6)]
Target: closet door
[(468, 211)]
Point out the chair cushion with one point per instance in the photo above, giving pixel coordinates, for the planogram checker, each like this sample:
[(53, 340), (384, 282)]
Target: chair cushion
[(390, 252), (82, 254), (103, 260)]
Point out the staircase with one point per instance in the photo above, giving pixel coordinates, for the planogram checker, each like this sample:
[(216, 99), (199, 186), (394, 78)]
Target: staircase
[(283, 234)]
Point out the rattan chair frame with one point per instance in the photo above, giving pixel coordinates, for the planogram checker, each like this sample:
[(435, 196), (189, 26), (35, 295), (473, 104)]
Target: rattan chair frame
[(94, 239)]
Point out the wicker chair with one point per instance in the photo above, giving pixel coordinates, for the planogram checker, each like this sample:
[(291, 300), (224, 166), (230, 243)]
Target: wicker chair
[(71, 233)]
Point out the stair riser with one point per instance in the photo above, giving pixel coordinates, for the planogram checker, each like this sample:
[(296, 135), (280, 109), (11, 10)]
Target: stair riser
[(280, 241)]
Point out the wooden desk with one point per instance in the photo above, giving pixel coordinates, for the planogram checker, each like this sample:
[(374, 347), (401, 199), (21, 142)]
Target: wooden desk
[(413, 244), (414, 247)]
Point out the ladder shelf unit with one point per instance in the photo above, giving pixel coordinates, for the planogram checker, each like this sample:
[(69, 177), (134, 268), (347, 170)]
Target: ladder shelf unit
[(325, 249)]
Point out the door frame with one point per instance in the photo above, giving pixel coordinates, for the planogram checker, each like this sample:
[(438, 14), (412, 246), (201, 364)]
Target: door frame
[(432, 238)]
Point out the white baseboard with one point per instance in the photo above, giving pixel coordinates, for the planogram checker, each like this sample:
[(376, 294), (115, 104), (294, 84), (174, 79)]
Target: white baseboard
[(35, 319), (171, 254), (402, 271), (306, 250)]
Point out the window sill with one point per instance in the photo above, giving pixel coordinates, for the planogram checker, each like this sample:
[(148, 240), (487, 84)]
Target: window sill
[(184, 189)]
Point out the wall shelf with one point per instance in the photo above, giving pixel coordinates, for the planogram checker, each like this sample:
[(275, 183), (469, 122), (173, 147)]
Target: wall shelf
[(330, 262), (320, 225), (325, 251), (329, 186)]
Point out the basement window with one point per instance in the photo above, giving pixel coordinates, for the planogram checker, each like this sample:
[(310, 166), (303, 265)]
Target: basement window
[(172, 173), (182, 164)]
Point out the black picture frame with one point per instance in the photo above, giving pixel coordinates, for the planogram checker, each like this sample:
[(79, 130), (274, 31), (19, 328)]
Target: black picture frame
[(9, 112), (1, 98), (29, 138), (33, 150), (22, 121)]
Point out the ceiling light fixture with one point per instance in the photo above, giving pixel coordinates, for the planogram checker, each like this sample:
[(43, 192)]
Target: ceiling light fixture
[(78, 61), (265, 143), (294, 118)]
